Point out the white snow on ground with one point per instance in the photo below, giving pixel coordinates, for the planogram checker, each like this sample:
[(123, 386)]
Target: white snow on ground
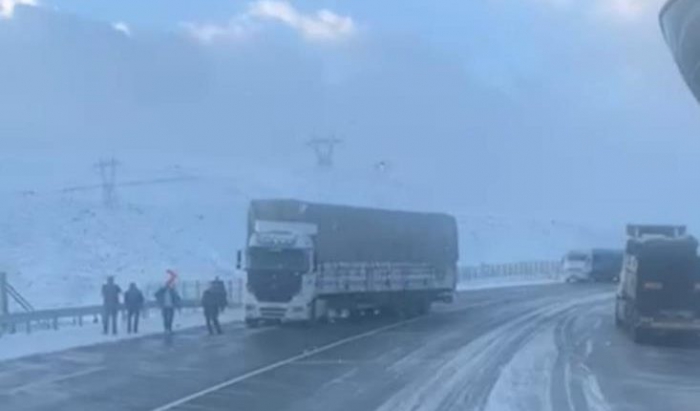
[(594, 395), (22, 344), (488, 283), (525, 381)]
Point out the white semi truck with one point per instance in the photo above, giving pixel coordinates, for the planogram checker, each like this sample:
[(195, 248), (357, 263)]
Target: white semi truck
[(307, 262)]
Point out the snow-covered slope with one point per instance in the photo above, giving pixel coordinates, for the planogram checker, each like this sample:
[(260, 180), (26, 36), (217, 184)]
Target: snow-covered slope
[(59, 246)]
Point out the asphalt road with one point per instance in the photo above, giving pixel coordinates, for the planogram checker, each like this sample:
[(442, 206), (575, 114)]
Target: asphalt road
[(528, 348)]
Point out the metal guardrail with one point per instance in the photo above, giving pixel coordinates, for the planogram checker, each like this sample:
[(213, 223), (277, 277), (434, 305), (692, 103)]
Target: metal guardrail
[(509, 270), (191, 293), (76, 316)]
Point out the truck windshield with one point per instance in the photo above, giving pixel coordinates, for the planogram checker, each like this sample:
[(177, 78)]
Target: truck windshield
[(577, 257), (260, 258)]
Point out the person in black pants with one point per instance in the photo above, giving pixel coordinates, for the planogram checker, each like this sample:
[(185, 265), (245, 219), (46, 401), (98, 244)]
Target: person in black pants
[(110, 305), (168, 299), (220, 288), (212, 304), (133, 300)]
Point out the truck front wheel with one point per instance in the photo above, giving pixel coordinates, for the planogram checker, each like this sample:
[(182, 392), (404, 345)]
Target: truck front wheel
[(252, 322), (424, 307), (640, 335)]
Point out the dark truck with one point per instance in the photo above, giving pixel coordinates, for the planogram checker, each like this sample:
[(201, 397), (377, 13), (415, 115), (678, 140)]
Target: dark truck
[(308, 261), (606, 265), (659, 291)]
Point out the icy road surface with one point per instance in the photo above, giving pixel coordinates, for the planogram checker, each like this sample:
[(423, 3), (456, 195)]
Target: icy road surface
[(528, 348)]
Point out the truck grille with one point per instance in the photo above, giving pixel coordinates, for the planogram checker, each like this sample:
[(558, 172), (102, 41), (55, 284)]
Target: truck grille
[(272, 312), (274, 286)]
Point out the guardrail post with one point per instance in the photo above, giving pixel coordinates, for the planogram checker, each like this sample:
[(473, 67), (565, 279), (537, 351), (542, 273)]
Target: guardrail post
[(184, 288)]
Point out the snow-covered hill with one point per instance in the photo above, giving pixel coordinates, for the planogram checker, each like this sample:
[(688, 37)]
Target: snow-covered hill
[(59, 246)]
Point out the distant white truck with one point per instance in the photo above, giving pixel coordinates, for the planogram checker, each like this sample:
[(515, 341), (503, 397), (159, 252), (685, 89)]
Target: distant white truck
[(306, 262), (577, 266), (596, 265)]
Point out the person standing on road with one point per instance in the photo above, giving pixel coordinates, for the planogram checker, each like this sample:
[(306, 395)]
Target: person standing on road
[(168, 300), (220, 289), (211, 304), (110, 305), (133, 300)]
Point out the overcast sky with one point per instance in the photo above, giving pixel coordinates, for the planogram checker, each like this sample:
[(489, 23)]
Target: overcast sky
[(554, 107)]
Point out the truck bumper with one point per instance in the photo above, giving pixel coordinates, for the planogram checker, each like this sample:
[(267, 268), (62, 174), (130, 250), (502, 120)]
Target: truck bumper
[(671, 325), (277, 312)]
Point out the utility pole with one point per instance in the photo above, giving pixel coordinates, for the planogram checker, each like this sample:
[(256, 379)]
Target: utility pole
[(324, 148), (107, 169), (4, 298)]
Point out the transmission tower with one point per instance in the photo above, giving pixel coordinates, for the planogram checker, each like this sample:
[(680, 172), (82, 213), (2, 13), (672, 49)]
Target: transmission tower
[(107, 169), (324, 149), (382, 167)]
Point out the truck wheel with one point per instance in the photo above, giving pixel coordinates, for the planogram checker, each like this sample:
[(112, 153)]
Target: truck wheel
[(355, 315), (424, 307), (639, 335), (252, 323), (618, 321)]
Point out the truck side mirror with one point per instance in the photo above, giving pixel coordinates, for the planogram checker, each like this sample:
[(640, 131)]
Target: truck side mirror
[(315, 262), (239, 259)]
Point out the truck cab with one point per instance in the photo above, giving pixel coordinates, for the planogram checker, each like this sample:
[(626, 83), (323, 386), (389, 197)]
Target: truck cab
[(279, 264), (577, 266), (659, 290)]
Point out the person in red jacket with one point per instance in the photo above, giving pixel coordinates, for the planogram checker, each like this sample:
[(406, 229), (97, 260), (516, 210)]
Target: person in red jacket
[(168, 299)]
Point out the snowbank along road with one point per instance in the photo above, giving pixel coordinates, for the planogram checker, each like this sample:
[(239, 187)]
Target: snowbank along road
[(548, 347)]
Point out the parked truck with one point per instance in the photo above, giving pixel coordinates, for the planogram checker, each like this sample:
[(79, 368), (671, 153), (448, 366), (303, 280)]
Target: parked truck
[(659, 290), (308, 262)]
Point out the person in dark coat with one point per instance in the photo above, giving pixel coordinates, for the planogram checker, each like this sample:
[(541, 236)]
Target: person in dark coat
[(134, 301), (212, 303), (220, 289), (110, 305), (168, 299)]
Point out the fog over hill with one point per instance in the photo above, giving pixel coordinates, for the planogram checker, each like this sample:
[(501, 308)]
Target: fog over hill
[(538, 149)]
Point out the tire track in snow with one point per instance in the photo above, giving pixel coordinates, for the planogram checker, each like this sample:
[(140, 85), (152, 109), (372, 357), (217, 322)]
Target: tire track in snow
[(574, 386), (465, 382)]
